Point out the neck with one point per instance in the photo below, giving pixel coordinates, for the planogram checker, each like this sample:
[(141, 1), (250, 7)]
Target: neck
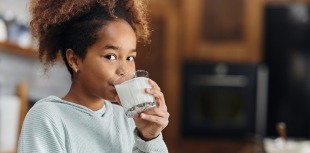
[(79, 97)]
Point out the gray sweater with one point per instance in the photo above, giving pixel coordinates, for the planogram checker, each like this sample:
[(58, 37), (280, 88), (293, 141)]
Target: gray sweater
[(53, 125)]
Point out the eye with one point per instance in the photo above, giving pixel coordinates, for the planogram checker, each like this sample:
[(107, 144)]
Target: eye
[(110, 57), (131, 58)]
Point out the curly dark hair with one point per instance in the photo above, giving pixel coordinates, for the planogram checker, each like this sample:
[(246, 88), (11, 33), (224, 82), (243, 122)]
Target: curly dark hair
[(62, 24)]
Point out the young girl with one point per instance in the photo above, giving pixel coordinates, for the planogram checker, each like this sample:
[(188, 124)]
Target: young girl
[(97, 40)]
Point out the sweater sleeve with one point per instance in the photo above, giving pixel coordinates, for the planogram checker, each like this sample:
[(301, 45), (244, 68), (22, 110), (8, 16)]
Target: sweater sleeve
[(156, 145), (40, 133)]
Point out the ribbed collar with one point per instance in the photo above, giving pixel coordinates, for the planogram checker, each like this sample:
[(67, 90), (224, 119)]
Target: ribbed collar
[(104, 111)]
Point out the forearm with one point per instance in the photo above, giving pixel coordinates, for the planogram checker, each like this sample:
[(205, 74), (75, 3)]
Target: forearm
[(156, 145)]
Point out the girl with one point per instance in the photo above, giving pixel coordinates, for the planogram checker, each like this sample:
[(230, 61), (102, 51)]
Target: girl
[(97, 40)]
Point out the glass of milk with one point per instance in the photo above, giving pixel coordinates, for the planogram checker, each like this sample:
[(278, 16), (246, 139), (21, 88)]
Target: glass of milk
[(131, 92)]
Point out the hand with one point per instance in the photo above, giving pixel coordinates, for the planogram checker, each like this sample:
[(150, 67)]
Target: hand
[(152, 121)]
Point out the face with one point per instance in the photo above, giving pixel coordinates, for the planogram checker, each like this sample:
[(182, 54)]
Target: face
[(111, 56)]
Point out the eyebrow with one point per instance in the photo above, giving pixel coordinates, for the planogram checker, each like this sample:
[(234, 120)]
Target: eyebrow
[(109, 46)]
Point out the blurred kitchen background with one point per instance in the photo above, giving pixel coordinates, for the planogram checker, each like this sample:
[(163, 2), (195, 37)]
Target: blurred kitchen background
[(235, 73)]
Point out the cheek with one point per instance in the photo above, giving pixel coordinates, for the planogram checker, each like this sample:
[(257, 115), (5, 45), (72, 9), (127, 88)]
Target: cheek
[(108, 93), (96, 77), (132, 66), (103, 78), (102, 85)]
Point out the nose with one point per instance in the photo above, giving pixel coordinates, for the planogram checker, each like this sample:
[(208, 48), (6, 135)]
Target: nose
[(121, 70)]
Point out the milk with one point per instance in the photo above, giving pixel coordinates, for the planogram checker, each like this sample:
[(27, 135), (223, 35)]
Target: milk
[(133, 97)]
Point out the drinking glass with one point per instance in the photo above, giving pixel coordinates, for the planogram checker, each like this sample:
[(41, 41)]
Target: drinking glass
[(131, 92)]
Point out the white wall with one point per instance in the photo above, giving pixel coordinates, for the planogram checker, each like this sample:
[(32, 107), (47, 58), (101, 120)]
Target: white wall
[(17, 7), (15, 69)]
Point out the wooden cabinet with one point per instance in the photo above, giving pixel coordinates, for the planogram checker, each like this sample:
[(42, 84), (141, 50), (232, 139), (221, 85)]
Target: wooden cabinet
[(175, 39), (162, 60), (207, 30), (222, 30), (15, 49), (286, 1)]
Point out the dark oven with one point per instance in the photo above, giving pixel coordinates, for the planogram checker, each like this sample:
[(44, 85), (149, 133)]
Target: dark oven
[(220, 100)]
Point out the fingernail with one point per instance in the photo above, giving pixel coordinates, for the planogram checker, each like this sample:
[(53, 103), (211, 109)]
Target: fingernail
[(142, 115), (147, 90)]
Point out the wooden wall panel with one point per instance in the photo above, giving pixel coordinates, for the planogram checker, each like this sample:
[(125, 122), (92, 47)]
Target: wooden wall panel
[(162, 59), (222, 31)]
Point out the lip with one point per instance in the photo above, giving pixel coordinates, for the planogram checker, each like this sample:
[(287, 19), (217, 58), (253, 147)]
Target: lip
[(112, 87)]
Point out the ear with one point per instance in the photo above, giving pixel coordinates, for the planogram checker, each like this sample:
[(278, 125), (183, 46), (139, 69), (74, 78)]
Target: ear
[(72, 59)]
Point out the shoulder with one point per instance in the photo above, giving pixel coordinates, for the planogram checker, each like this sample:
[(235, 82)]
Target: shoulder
[(46, 105), (45, 109), (42, 128)]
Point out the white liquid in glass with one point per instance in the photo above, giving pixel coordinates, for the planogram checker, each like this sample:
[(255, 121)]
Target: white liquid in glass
[(133, 97)]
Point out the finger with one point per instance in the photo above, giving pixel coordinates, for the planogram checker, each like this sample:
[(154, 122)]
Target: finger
[(155, 119), (157, 112), (155, 92), (161, 104), (159, 97), (154, 84)]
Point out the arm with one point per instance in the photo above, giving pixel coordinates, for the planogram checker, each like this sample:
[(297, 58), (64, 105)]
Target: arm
[(156, 145), (40, 133), (150, 123)]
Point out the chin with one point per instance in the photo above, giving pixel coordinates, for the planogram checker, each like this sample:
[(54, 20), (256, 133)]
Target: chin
[(108, 93), (110, 97)]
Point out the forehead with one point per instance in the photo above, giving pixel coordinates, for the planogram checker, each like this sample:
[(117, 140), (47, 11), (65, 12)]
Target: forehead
[(117, 31)]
